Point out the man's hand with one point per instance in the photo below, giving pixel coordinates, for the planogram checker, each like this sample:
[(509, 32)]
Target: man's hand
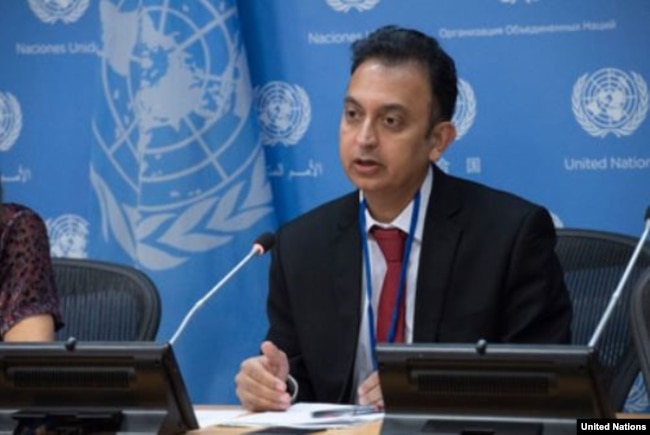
[(261, 381), (369, 392)]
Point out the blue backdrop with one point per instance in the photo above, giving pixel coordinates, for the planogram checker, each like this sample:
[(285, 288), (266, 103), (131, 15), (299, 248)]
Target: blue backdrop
[(169, 133)]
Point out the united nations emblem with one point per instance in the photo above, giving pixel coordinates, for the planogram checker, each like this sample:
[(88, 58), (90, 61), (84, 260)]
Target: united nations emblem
[(465, 109), (181, 169), (610, 101), (284, 113), (346, 5), (11, 120), (68, 236), (51, 11)]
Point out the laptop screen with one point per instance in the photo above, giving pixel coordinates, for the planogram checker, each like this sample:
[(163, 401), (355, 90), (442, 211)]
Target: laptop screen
[(93, 386), (498, 382)]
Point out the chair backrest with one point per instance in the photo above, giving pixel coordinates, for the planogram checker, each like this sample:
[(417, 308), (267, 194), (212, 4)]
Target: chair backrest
[(640, 319), (593, 263), (103, 301)]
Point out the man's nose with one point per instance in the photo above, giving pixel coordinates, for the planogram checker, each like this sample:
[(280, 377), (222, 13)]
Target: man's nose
[(366, 135)]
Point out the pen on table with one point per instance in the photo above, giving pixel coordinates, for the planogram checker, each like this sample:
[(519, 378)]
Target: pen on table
[(345, 412)]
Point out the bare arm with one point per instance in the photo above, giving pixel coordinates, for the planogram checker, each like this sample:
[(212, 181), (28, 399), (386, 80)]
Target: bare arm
[(39, 327)]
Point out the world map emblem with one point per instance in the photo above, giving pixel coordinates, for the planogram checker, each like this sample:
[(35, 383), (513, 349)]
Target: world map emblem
[(181, 169), (465, 109), (51, 11), (610, 101), (68, 236), (11, 120), (284, 112), (346, 5)]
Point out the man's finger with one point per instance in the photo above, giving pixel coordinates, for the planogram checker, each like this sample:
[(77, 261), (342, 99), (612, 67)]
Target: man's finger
[(276, 360), (369, 391)]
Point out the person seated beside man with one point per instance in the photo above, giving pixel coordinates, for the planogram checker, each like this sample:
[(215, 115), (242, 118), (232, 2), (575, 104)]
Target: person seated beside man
[(29, 304)]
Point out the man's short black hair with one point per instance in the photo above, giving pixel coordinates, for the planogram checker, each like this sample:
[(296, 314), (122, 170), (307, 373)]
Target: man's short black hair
[(395, 45)]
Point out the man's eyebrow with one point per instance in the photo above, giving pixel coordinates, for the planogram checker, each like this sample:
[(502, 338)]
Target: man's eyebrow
[(393, 107)]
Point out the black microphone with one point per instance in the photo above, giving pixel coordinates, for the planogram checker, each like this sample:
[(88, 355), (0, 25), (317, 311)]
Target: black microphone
[(261, 246), (619, 289)]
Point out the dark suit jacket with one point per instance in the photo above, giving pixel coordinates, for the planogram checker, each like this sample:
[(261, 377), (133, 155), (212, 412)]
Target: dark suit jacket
[(487, 270)]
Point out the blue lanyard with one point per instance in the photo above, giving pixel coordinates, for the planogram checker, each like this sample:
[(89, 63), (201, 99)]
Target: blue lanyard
[(402, 276)]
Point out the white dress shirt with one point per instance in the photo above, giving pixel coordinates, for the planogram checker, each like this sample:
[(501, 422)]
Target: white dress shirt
[(364, 365)]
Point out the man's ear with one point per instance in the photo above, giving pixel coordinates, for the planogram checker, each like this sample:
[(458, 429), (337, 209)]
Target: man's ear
[(442, 136)]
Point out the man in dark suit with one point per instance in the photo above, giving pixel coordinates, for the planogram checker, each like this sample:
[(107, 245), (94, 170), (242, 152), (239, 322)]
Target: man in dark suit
[(474, 262)]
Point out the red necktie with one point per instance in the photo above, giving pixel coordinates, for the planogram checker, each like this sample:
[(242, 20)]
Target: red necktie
[(391, 242)]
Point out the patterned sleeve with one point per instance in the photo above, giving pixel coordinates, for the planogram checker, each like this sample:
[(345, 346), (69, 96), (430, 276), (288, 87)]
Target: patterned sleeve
[(27, 284)]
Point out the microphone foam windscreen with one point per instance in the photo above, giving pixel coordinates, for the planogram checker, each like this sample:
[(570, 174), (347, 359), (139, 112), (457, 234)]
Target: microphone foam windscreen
[(266, 241)]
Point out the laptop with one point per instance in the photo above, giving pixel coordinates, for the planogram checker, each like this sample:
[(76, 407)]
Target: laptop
[(90, 387), (489, 389)]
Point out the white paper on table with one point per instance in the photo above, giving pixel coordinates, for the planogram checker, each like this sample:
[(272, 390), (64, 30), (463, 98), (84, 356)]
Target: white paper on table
[(300, 416), (209, 417)]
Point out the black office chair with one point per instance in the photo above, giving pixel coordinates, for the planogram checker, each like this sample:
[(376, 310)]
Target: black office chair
[(640, 319), (103, 301), (593, 263)]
